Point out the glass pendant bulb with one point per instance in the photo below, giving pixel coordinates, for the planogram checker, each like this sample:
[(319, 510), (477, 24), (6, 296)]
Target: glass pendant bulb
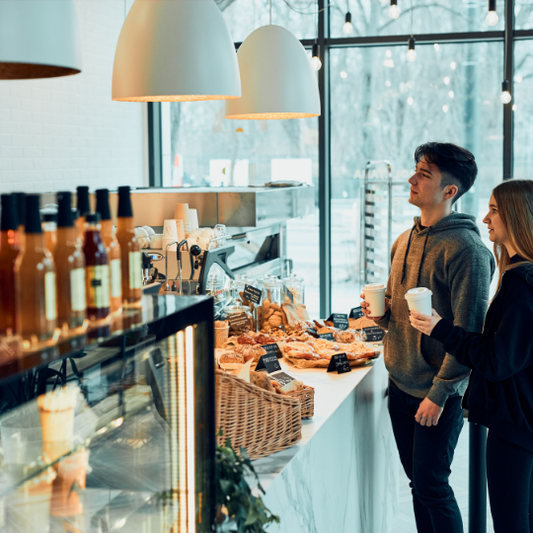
[(506, 96), (394, 10), (315, 59), (348, 27), (411, 53), (492, 17)]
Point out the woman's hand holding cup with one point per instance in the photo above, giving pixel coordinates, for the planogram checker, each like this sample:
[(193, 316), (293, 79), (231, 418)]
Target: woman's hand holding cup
[(424, 323)]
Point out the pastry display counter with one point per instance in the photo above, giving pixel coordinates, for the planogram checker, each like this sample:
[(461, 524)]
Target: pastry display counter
[(117, 433), (342, 476)]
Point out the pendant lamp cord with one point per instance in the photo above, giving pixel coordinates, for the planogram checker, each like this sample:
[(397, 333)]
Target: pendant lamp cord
[(411, 18), (271, 12)]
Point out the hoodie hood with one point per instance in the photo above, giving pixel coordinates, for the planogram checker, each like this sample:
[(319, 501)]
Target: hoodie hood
[(453, 222)]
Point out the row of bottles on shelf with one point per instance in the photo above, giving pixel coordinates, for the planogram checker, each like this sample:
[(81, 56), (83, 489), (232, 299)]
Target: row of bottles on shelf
[(66, 267)]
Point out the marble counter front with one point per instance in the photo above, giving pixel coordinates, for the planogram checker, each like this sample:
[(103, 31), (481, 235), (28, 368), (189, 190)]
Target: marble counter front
[(343, 475)]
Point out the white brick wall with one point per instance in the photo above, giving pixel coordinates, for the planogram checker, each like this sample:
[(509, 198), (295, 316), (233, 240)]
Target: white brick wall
[(58, 133)]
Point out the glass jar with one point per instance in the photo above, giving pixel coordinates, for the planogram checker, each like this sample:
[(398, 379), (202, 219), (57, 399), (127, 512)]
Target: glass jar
[(238, 288), (241, 326), (270, 314), (295, 284)]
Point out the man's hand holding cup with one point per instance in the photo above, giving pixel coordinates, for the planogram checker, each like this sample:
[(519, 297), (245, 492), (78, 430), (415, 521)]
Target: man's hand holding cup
[(374, 304)]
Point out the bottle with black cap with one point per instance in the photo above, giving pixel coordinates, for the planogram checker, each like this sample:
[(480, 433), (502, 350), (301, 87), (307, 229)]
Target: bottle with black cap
[(70, 268), (112, 247), (84, 206), (49, 224), (35, 278), (20, 198), (9, 251), (130, 249), (96, 269)]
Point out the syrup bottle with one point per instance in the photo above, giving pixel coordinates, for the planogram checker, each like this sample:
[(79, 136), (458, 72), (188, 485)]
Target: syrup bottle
[(70, 268), (83, 205), (96, 269), (130, 250), (35, 279), (49, 225), (21, 208), (9, 251), (112, 247)]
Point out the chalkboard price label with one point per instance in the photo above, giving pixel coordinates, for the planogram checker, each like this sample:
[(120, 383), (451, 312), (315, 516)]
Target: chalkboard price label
[(252, 294), (289, 294), (272, 349), (339, 362), (374, 334), (239, 321), (312, 332), (282, 378), (340, 321), (357, 312), (327, 336), (269, 363)]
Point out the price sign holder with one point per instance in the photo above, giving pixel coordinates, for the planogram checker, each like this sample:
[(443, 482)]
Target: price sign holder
[(340, 363), (357, 312), (282, 378), (340, 321), (269, 363), (252, 294), (272, 349), (327, 336), (374, 334)]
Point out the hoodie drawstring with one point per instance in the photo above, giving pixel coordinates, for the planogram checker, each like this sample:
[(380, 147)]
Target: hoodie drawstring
[(422, 259), (407, 253)]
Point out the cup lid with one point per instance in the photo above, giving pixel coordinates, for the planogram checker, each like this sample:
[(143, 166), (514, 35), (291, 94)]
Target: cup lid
[(374, 287), (417, 293)]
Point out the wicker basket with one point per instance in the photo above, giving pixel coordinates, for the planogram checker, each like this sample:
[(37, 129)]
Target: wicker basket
[(307, 397), (262, 422)]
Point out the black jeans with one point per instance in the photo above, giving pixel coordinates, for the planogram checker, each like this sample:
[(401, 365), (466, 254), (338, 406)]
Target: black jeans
[(510, 476), (426, 454)]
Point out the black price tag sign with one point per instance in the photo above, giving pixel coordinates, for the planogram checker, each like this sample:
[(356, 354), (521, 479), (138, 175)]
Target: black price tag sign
[(339, 320), (282, 378), (269, 363), (374, 334), (289, 294), (312, 332), (252, 294), (239, 321), (357, 312), (272, 349), (327, 336), (339, 362)]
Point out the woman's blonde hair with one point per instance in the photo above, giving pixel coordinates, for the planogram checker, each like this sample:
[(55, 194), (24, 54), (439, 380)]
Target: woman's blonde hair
[(514, 199)]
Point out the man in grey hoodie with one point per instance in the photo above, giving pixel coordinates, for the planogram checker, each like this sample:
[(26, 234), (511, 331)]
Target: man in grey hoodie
[(443, 251)]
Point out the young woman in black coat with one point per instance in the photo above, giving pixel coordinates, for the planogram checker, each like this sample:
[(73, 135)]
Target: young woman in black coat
[(500, 393)]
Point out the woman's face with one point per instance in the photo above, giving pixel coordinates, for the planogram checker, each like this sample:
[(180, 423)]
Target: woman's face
[(497, 231)]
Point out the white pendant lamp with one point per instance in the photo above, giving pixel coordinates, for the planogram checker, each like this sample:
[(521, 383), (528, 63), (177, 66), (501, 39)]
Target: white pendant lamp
[(175, 51), (38, 39), (277, 79)]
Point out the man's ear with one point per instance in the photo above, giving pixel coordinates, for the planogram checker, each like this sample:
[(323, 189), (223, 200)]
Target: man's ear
[(450, 191)]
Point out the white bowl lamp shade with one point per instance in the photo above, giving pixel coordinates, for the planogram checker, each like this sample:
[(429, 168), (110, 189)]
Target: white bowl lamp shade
[(38, 39), (175, 51), (278, 81)]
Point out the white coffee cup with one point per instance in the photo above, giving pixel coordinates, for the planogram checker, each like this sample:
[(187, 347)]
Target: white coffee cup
[(419, 299), (375, 297)]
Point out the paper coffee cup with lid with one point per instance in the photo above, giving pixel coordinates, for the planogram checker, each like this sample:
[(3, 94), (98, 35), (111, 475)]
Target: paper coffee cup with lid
[(375, 297), (419, 299)]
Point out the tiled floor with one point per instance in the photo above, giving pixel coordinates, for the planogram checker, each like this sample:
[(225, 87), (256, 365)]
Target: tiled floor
[(405, 522)]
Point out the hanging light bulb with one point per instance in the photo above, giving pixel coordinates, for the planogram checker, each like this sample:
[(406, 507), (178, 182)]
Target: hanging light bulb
[(348, 27), (505, 97), (411, 53), (315, 59), (394, 10), (492, 17)]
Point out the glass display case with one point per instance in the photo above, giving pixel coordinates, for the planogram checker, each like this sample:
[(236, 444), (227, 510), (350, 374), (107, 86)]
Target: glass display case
[(112, 430)]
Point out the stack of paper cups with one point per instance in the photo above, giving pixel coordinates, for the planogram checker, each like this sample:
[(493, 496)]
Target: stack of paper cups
[(181, 212), (170, 234), (193, 219), (181, 230)]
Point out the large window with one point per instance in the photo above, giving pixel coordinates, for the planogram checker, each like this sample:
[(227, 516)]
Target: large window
[(379, 107)]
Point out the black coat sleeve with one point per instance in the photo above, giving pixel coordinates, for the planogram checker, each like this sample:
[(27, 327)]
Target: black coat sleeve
[(499, 354)]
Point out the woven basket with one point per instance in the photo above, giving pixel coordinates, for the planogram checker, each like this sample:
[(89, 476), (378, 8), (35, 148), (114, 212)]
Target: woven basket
[(307, 398), (262, 422)]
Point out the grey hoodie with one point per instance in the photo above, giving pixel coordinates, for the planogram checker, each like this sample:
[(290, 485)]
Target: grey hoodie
[(450, 259)]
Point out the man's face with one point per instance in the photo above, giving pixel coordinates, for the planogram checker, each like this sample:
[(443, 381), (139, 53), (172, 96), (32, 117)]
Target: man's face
[(425, 183)]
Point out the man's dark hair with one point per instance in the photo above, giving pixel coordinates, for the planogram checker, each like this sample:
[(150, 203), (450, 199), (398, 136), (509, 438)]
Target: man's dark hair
[(457, 165)]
